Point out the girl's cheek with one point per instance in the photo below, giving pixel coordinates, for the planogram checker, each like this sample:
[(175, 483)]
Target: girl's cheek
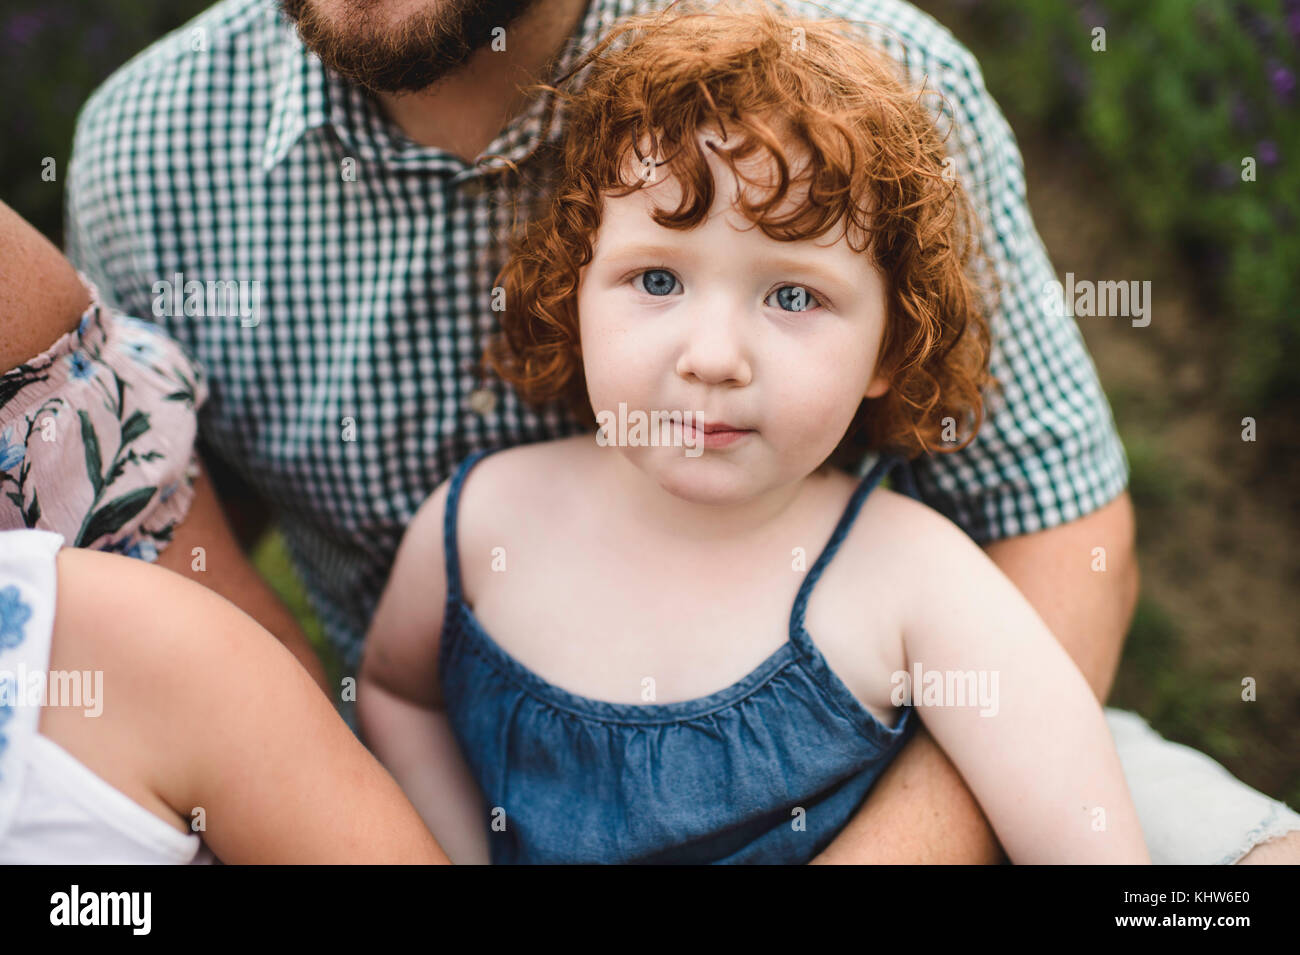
[(814, 411)]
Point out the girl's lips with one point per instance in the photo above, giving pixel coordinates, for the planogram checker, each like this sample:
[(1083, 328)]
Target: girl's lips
[(713, 439)]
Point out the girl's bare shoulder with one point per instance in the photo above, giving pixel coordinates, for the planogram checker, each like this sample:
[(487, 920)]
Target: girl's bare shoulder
[(518, 492), (517, 481), (900, 534)]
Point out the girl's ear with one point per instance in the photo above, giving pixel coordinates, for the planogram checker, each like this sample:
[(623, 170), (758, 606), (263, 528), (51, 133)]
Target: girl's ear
[(879, 385)]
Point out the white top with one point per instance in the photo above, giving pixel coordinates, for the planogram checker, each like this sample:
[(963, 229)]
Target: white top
[(53, 809)]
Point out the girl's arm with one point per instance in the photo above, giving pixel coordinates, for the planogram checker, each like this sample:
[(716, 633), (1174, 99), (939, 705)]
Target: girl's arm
[(398, 699), (1036, 750), (205, 713)]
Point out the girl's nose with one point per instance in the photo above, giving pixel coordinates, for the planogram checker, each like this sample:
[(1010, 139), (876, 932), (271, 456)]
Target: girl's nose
[(714, 351)]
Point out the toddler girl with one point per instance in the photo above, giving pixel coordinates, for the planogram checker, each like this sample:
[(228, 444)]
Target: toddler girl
[(689, 636)]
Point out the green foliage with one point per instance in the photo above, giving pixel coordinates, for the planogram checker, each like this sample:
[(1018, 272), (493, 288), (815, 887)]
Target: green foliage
[(53, 54), (271, 558), (1184, 92), (1182, 702), (1155, 481)]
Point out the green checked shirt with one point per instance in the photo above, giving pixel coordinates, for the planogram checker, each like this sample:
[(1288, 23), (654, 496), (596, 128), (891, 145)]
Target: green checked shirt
[(342, 389)]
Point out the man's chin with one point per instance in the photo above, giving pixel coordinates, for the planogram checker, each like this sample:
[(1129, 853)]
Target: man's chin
[(410, 54), (345, 36)]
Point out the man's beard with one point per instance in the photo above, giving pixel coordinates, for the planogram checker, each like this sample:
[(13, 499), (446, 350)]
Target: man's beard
[(410, 55)]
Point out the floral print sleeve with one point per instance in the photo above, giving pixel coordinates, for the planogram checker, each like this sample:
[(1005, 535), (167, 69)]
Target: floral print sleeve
[(97, 435)]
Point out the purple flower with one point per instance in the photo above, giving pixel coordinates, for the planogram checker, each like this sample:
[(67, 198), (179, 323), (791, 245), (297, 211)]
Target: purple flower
[(1221, 175), (23, 26), (1266, 152), (1281, 79), (1092, 14), (1240, 111)]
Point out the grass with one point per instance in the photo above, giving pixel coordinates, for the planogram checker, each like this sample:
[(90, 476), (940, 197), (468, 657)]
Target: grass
[(271, 558)]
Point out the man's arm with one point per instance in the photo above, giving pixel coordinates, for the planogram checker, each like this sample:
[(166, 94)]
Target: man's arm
[(920, 811), (246, 511)]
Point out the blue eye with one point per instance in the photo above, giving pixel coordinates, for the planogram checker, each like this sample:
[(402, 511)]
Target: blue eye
[(658, 281), (797, 296)]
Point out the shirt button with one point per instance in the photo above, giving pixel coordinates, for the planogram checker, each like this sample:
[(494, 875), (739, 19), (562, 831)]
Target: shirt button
[(482, 401)]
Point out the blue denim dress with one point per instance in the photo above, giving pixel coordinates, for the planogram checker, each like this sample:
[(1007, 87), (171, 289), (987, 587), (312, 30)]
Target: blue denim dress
[(768, 770)]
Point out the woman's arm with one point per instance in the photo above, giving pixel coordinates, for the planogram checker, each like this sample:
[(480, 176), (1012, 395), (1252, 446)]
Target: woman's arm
[(1036, 751), (205, 710), (41, 297), (398, 699)]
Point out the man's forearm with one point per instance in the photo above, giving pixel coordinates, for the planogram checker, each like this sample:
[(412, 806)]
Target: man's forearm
[(921, 810), (247, 514), (1082, 578)]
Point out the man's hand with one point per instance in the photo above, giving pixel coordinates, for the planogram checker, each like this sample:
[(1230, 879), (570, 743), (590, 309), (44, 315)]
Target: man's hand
[(920, 810)]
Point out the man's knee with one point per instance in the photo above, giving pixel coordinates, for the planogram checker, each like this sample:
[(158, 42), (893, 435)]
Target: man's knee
[(1283, 850)]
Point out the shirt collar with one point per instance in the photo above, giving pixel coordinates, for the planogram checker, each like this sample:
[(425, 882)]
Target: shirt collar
[(307, 96), (299, 99)]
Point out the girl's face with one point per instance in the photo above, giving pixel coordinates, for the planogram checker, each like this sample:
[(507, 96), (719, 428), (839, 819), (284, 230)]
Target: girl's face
[(777, 338)]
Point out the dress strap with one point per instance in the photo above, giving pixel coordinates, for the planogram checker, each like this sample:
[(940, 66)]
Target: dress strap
[(883, 466), (451, 553), (906, 480)]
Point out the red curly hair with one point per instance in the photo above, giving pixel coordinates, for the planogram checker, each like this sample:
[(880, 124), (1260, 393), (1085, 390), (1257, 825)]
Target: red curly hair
[(877, 164)]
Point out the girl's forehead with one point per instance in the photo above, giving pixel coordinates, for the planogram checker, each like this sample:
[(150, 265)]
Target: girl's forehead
[(755, 178), (662, 191), (628, 234), (648, 162)]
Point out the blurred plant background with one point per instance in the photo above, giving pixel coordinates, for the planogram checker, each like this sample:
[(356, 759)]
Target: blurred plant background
[(1134, 156), (1183, 93)]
